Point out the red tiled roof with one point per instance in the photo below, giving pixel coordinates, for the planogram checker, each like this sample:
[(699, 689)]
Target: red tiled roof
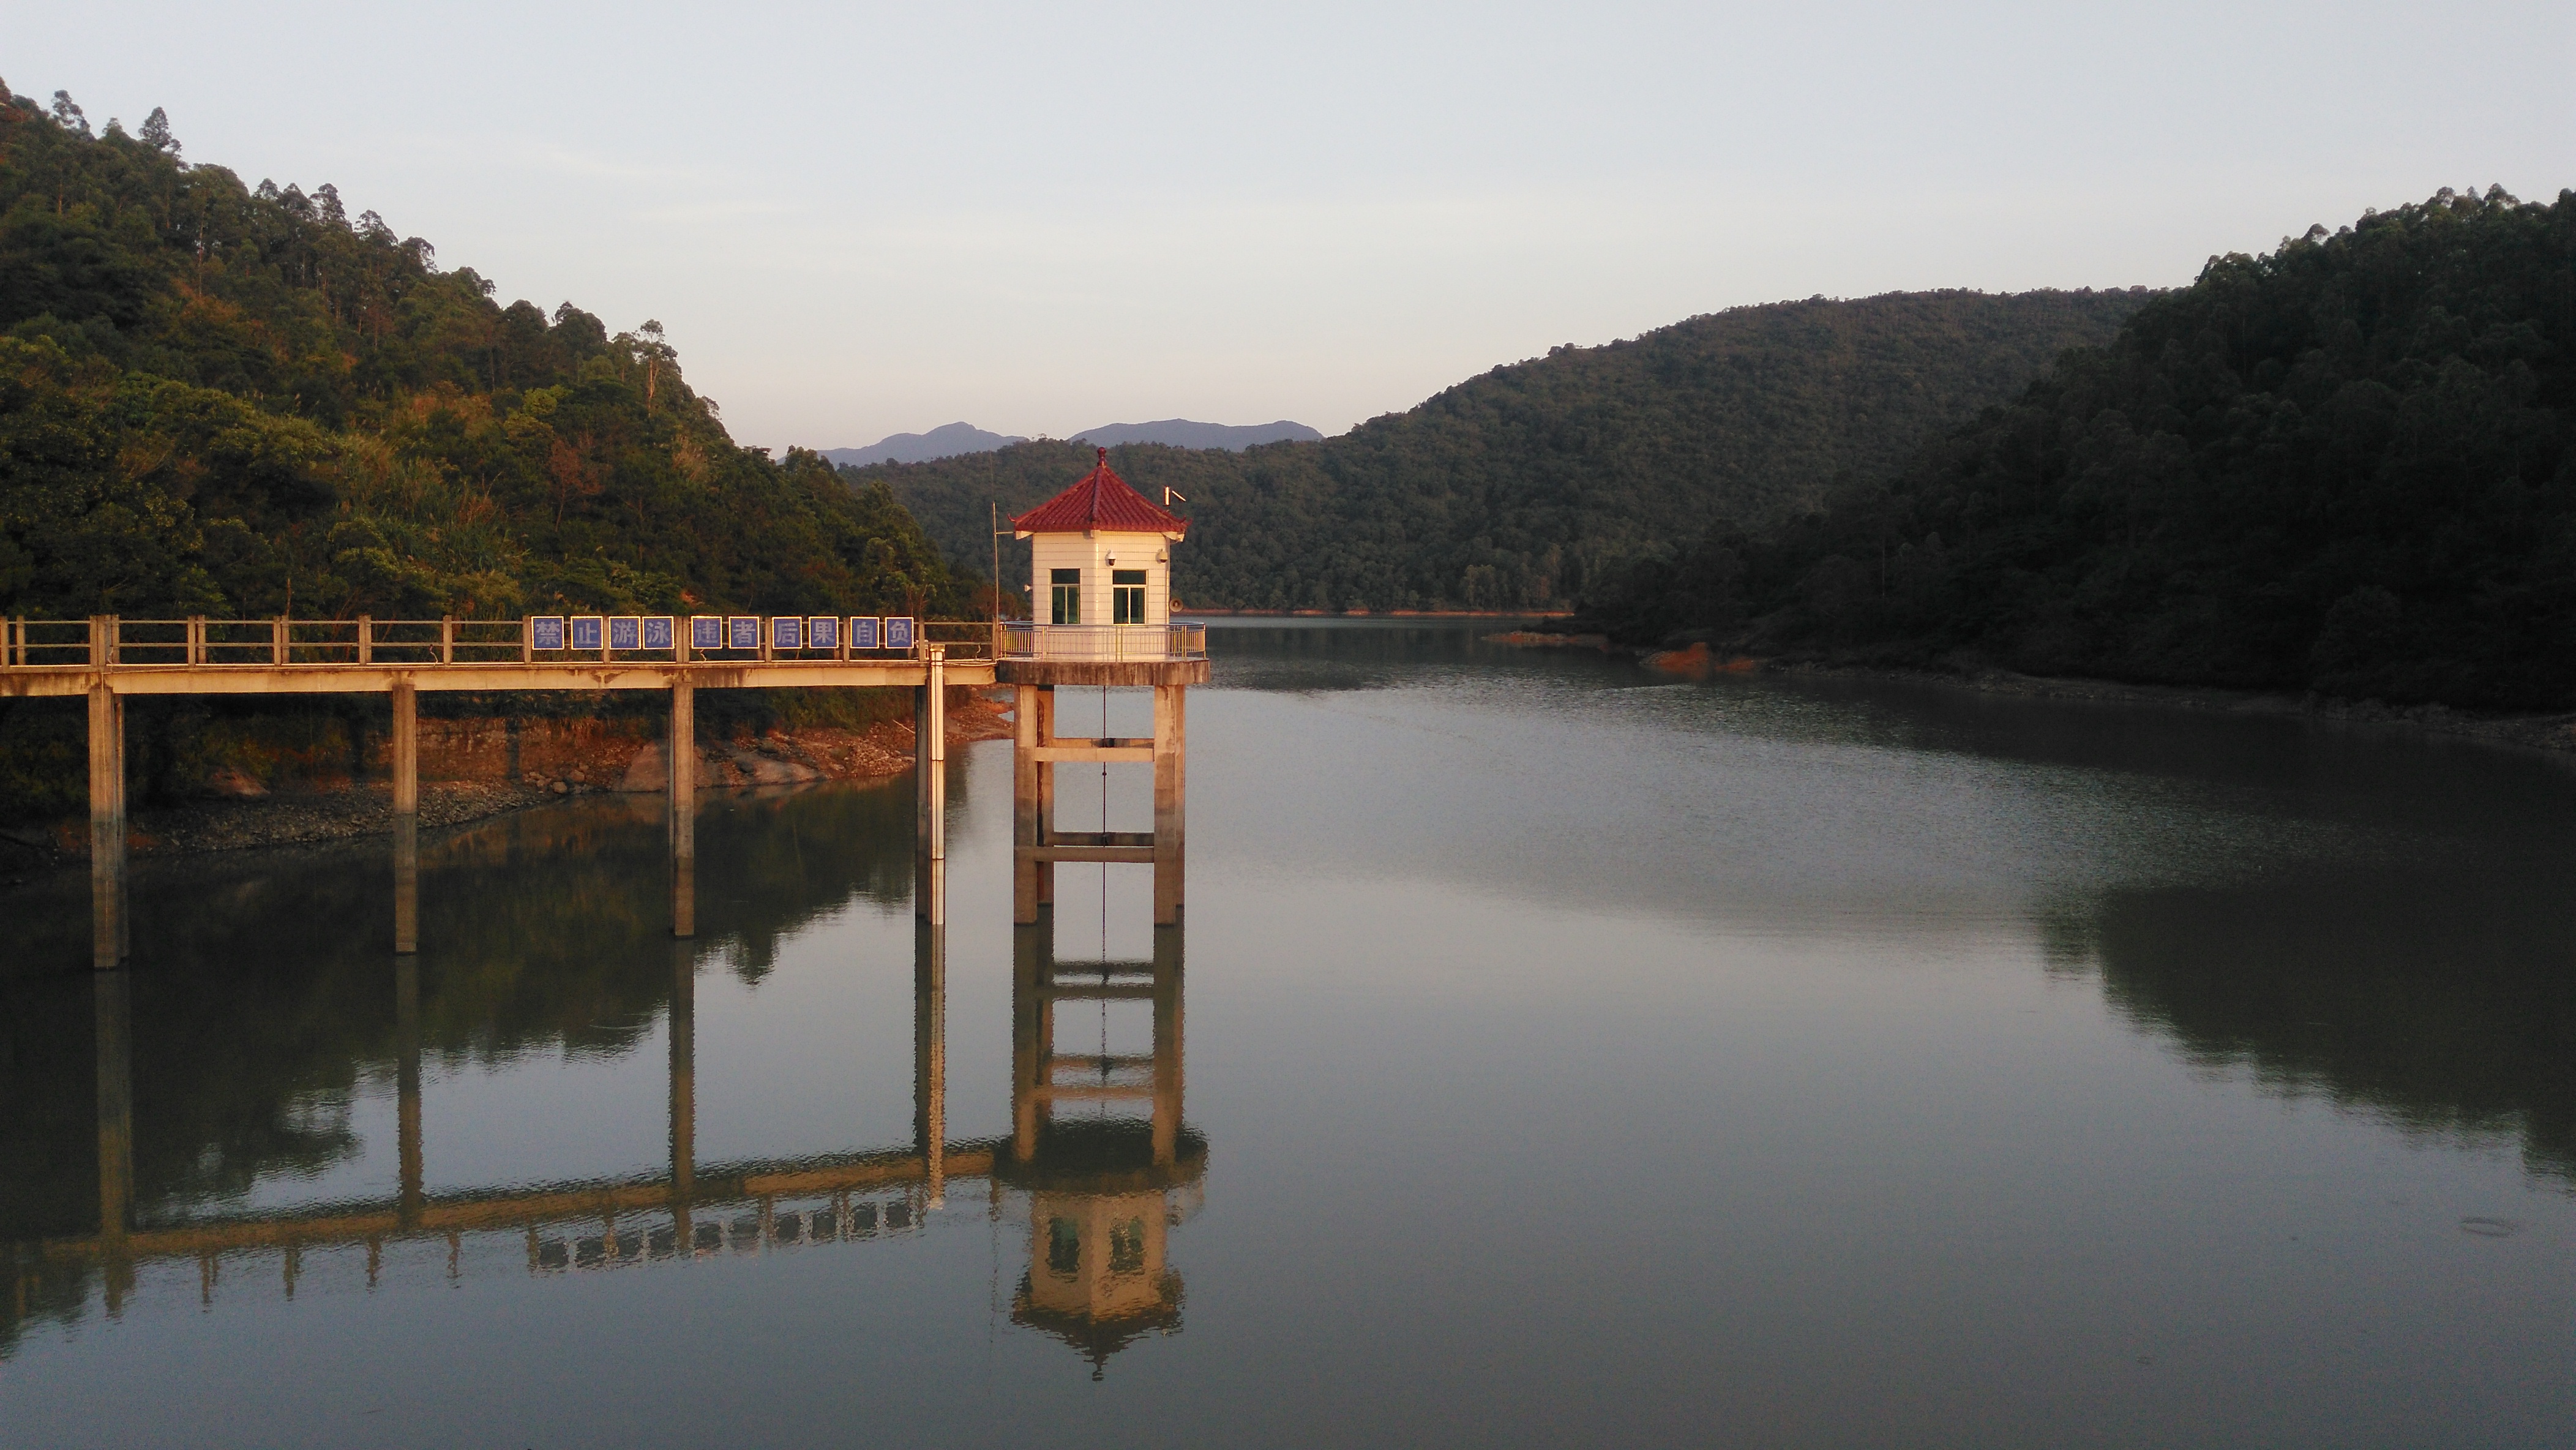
[(1102, 500)]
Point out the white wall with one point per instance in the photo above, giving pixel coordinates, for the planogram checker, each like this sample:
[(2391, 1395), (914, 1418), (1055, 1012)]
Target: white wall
[(1092, 553)]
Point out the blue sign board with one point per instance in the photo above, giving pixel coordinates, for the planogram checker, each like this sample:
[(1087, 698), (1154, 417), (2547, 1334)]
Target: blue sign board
[(742, 631), (787, 633), (546, 631), (898, 632), (823, 631), (863, 632), (706, 631), (585, 632), (656, 631), (625, 632)]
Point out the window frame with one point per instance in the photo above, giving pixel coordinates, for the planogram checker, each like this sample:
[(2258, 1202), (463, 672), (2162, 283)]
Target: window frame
[(1127, 600)]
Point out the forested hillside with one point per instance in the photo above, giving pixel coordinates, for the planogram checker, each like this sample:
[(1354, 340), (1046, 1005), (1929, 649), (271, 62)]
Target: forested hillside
[(235, 401), (1523, 487), (2347, 466)]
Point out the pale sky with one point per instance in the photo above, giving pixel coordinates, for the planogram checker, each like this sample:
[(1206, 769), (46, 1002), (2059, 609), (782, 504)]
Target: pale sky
[(861, 219)]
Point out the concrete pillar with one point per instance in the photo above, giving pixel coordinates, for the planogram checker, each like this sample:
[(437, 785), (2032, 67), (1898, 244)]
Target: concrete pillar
[(406, 771), (1046, 793), (930, 790), (407, 1092), (1170, 794), (1024, 804), (114, 1018), (110, 933), (684, 1087), (930, 1053), (680, 750), (1168, 1077)]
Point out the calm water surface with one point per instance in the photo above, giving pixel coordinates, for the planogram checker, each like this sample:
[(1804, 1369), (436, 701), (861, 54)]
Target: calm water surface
[(1569, 1058)]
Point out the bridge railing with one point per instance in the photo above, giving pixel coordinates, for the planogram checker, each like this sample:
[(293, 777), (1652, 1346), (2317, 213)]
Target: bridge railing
[(199, 642), (1023, 640)]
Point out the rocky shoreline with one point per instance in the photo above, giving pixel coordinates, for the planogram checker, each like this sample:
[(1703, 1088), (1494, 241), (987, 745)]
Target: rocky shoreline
[(587, 762)]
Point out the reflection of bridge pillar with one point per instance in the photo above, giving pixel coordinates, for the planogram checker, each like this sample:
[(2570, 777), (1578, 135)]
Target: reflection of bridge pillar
[(111, 935), (1167, 1043), (1101, 1191), (930, 1053), (114, 1018), (1038, 983), (684, 1086), (407, 1090)]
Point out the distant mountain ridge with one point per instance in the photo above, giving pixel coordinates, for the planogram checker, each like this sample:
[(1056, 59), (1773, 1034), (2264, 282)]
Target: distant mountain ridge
[(1182, 433), (955, 440), (945, 441)]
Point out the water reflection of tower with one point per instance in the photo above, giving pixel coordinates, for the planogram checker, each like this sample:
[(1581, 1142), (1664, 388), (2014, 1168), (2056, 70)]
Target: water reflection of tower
[(1102, 1188)]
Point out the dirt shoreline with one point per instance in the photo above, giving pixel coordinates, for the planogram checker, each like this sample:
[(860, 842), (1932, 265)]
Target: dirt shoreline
[(2551, 732), (612, 763)]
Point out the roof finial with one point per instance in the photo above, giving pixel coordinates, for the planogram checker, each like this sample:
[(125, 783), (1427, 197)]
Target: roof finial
[(1104, 456)]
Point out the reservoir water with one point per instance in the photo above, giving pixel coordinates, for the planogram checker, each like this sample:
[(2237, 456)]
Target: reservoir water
[(1563, 1056)]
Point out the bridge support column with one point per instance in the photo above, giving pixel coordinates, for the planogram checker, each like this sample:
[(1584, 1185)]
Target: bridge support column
[(407, 1205), (406, 772), (111, 934), (1170, 793), (930, 791), (680, 750), (115, 1017), (930, 1052), (1046, 794), (1024, 802)]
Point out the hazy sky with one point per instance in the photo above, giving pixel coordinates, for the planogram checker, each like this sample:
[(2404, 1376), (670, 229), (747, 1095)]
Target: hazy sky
[(859, 219)]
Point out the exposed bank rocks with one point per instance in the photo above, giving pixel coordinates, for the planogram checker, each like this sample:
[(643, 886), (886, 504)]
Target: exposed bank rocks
[(473, 768)]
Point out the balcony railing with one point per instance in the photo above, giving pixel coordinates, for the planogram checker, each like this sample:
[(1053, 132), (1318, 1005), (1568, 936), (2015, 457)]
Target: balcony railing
[(1123, 643)]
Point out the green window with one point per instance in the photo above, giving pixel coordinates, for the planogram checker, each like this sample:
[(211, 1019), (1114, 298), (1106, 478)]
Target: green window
[(1064, 1247), (1067, 589), (1127, 1247), (1127, 596)]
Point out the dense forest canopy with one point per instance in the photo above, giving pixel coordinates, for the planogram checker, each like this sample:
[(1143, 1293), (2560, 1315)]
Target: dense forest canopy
[(234, 401), (2345, 466), (1525, 486)]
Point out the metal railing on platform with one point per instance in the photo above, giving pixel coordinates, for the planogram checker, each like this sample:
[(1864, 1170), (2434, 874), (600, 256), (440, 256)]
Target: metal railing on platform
[(1022, 640), (113, 642)]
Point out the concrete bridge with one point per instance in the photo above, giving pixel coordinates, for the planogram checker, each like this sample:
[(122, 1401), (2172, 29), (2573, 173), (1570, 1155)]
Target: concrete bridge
[(108, 659)]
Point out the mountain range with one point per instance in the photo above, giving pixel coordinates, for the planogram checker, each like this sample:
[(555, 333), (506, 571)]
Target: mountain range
[(953, 440)]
